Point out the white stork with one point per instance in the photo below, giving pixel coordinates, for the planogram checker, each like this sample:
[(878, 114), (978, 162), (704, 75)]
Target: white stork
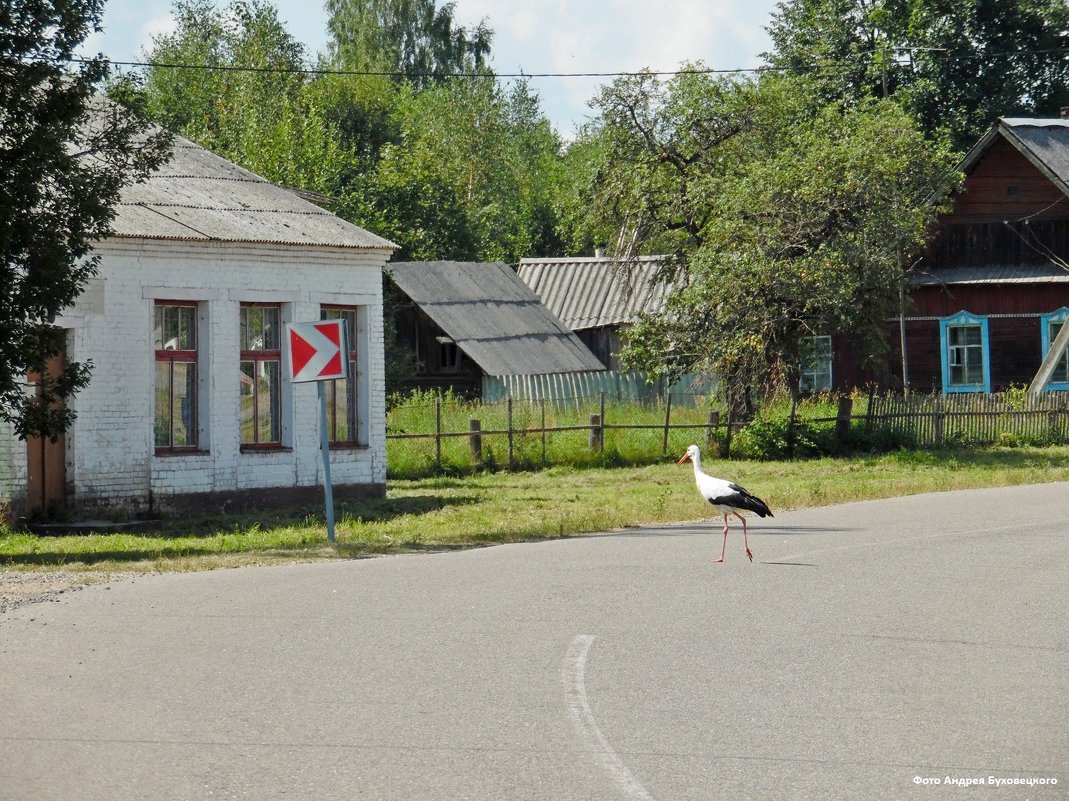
[(729, 498)]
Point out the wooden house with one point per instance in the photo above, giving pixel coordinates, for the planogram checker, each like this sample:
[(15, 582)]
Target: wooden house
[(992, 290)]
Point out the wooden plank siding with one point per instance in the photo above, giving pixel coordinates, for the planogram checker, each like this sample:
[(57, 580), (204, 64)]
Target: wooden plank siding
[(1004, 185), (999, 254)]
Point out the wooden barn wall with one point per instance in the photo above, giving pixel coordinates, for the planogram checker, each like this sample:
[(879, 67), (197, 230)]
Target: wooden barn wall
[(985, 299), (1004, 185), (1015, 341)]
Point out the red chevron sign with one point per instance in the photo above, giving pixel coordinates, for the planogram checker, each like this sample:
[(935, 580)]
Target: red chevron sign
[(317, 350)]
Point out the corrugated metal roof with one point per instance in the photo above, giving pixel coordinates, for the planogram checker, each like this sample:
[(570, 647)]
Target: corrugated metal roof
[(592, 292), (200, 196), (493, 317), (993, 274)]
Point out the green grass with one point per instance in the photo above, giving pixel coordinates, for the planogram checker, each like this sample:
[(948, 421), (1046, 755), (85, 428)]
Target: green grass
[(486, 508), (416, 458)]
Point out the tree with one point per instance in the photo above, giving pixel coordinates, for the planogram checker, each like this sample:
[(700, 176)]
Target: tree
[(787, 219), (408, 38), (467, 175), (65, 155), (955, 65), (244, 94), (655, 153)]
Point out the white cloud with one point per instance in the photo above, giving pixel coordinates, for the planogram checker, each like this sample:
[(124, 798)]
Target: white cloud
[(157, 26)]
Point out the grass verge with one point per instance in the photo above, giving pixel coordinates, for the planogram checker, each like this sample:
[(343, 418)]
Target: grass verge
[(445, 513)]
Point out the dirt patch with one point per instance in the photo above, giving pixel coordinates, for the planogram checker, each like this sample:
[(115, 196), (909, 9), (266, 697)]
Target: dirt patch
[(21, 587)]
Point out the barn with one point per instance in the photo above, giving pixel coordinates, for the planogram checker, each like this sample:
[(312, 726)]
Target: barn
[(467, 321), (599, 297), (189, 407)]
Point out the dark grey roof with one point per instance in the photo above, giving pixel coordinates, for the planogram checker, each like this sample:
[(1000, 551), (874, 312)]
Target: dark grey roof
[(592, 292), (1044, 142), (993, 274), (493, 317), (200, 196)]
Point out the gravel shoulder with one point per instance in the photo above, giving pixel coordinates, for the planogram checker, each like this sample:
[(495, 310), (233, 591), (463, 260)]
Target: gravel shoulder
[(22, 587)]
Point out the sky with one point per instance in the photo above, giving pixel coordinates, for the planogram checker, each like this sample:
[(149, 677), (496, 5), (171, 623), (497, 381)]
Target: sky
[(530, 36)]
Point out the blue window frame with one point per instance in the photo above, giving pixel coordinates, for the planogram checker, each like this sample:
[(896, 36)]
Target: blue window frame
[(1050, 325), (965, 353)]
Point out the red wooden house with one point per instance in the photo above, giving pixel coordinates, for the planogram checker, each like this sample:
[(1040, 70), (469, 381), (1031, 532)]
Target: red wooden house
[(993, 288)]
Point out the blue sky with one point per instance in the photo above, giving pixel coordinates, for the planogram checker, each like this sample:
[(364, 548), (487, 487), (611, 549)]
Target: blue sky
[(532, 36)]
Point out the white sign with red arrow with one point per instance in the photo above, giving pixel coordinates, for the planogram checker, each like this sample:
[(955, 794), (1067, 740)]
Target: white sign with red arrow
[(317, 351)]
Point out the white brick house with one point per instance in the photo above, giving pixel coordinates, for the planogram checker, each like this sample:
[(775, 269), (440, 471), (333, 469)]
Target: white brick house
[(189, 406)]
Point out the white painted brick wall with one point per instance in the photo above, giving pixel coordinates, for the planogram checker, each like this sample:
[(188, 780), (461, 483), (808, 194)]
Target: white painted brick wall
[(111, 457)]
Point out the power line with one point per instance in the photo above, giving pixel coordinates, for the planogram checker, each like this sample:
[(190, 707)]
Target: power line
[(829, 66), (399, 74)]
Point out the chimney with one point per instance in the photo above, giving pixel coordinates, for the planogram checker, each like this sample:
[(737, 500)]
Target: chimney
[(599, 250)]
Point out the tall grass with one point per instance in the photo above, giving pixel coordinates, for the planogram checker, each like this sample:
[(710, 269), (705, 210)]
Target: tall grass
[(412, 458), (772, 435)]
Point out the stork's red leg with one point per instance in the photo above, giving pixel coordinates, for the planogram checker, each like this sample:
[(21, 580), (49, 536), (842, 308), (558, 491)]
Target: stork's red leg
[(745, 540), (725, 545)]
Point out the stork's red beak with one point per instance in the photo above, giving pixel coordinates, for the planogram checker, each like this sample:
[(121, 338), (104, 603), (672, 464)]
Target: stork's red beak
[(684, 458)]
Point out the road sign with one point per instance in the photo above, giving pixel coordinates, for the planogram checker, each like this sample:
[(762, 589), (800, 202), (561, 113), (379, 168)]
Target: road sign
[(317, 351)]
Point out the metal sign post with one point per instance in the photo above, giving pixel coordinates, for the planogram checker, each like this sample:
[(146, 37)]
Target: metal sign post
[(324, 441), (319, 352)]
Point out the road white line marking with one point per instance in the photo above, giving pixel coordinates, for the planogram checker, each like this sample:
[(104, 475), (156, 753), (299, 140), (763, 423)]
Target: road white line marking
[(573, 673)]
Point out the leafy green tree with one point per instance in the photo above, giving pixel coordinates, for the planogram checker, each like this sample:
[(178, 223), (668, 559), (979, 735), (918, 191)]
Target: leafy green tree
[(655, 155), (411, 39), (466, 177), (955, 65), (788, 220), (65, 155), (245, 95)]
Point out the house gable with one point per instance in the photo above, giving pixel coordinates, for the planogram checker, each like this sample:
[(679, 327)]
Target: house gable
[(1004, 184)]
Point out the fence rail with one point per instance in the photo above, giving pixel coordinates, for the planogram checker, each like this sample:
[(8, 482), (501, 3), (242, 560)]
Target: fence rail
[(910, 420)]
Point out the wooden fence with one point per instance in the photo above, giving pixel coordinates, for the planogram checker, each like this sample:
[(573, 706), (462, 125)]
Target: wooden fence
[(972, 418), (912, 420)]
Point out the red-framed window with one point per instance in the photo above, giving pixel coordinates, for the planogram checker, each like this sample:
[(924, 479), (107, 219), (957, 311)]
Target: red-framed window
[(261, 376), (176, 418), (342, 407)]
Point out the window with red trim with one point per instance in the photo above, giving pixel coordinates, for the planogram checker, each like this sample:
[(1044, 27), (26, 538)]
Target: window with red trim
[(342, 409), (261, 376), (176, 417)]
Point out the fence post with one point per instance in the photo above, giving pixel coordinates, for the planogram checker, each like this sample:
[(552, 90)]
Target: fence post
[(790, 424), (937, 421), (509, 407), (597, 441), (602, 422), (438, 432), (475, 440), (842, 419), (667, 418), (725, 452), (711, 424), (543, 431)]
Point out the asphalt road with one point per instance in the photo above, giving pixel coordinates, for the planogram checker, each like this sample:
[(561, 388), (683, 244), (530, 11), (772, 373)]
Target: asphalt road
[(889, 650)]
